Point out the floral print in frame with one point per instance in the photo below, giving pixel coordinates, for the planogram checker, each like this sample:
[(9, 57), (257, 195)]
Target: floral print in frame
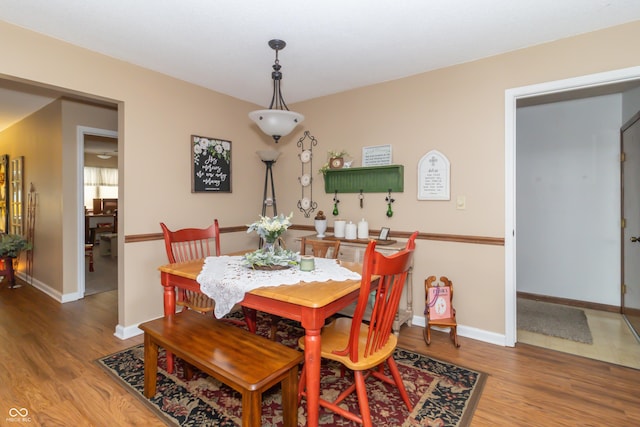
[(210, 164)]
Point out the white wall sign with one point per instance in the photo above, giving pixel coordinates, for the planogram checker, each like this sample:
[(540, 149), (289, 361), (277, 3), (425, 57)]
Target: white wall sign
[(434, 177), (377, 155)]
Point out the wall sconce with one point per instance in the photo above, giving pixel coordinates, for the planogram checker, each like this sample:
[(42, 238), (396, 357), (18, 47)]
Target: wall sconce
[(277, 121)]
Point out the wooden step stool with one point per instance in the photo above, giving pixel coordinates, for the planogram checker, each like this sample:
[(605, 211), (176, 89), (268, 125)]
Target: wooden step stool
[(246, 362)]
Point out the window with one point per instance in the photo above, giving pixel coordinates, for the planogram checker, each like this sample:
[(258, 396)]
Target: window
[(99, 183)]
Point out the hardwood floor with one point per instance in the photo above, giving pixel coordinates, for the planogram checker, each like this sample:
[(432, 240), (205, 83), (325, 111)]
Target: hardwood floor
[(48, 349)]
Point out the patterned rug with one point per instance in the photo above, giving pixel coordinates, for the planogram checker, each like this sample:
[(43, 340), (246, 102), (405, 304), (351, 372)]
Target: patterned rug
[(443, 394)]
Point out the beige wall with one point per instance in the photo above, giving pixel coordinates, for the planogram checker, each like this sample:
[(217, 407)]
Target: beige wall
[(458, 110), (39, 139), (76, 114), (47, 140), (156, 116)]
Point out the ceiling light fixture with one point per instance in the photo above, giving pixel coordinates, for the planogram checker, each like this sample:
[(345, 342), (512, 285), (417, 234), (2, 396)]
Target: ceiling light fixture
[(277, 121), (104, 156)]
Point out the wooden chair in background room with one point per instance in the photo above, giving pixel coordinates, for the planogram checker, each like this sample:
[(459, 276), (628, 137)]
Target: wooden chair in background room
[(439, 308), (101, 228), (319, 249), (189, 244), (364, 348), (88, 252)]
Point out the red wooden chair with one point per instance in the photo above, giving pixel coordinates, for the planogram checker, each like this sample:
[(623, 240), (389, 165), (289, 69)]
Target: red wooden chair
[(364, 348), (188, 244)]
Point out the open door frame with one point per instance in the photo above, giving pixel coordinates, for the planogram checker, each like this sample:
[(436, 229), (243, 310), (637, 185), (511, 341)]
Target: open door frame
[(630, 241), (83, 131), (511, 98)]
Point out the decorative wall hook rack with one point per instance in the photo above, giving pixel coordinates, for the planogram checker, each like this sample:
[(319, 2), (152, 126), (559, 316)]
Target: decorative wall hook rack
[(335, 204), (389, 201), (370, 179)]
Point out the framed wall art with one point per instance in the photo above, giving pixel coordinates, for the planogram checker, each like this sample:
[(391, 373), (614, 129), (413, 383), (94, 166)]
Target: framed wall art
[(4, 193), (210, 165), (376, 155)]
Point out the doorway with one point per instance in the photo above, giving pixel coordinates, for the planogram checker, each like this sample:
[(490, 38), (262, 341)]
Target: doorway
[(609, 82), (630, 140), (95, 142)]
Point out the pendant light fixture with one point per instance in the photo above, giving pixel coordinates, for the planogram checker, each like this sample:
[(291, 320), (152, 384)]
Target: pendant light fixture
[(277, 121)]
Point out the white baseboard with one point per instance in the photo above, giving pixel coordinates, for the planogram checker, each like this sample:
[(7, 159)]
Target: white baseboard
[(469, 332), (48, 290), (126, 332)]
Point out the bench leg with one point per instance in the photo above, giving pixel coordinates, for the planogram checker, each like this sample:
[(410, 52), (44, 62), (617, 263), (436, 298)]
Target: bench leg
[(150, 366), (251, 408), (290, 398)]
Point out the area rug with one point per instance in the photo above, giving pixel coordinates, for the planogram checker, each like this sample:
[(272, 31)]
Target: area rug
[(443, 394), (554, 320)]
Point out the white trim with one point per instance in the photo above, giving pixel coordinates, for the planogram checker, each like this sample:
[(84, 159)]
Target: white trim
[(511, 97), (48, 290), (81, 131), (467, 332), (126, 332)]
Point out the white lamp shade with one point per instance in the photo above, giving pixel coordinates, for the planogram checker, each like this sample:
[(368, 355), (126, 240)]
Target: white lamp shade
[(268, 155), (276, 122)]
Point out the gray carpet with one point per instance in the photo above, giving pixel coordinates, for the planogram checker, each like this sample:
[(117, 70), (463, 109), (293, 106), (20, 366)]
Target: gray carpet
[(104, 278), (554, 320)]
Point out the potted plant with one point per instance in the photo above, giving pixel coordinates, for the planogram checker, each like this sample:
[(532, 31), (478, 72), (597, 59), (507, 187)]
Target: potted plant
[(271, 257), (10, 247), (12, 244)]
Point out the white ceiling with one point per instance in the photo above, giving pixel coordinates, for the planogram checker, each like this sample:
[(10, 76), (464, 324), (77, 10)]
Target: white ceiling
[(332, 45)]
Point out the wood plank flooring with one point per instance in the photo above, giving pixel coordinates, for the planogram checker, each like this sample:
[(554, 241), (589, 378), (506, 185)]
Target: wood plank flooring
[(47, 354)]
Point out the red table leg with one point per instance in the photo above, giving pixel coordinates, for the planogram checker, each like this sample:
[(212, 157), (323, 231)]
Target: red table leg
[(169, 309), (312, 368), (250, 318)]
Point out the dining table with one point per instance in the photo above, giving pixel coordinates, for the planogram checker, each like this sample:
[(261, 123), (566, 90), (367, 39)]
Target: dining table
[(309, 303)]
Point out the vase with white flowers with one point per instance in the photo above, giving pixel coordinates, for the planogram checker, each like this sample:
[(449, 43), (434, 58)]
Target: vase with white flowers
[(271, 256)]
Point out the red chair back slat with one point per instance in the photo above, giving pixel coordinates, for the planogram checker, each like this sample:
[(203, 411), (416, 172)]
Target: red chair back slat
[(191, 243), (392, 271)]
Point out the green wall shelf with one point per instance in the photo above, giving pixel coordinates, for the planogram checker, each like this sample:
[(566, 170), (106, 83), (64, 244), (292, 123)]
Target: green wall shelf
[(371, 179)]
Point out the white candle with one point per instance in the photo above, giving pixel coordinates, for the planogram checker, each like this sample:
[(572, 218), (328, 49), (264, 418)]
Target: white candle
[(351, 231), (338, 228), (363, 229)]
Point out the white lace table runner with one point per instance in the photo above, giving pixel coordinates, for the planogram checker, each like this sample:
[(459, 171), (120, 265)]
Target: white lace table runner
[(225, 279)]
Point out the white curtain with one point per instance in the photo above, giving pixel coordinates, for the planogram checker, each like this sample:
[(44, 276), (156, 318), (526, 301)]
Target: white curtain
[(99, 183)]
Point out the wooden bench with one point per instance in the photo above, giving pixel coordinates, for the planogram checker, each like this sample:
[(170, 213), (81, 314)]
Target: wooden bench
[(246, 362)]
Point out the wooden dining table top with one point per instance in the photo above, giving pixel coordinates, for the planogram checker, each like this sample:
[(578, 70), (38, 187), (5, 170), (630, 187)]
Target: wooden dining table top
[(306, 294)]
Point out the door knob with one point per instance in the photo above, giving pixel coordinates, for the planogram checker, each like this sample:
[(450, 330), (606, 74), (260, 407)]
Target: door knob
[(635, 239)]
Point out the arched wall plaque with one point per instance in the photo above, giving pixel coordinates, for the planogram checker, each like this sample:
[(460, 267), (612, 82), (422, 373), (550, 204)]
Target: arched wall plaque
[(434, 177)]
